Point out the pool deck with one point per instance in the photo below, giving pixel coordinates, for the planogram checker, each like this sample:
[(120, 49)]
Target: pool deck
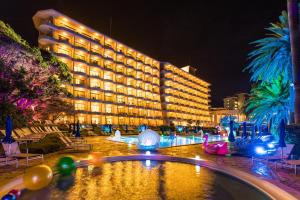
[(283, 178)]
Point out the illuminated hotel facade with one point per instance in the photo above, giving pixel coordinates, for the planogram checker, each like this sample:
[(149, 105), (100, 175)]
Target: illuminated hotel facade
[(112, 83), (185, 98)]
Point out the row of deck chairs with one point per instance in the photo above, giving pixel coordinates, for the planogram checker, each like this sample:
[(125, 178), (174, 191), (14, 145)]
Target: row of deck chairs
[(280, 157), (13, 155), (35, 134), (70, 142)]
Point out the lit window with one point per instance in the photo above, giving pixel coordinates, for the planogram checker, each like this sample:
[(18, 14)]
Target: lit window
[(94, 73), (95, 120), (81, 119), (79, 106), (107, 75), (108, 109), (95, 83), (79, 69), (95, 108)]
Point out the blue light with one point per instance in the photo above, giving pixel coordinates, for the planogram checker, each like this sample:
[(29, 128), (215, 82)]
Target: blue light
[(260, 150), (271, 145)]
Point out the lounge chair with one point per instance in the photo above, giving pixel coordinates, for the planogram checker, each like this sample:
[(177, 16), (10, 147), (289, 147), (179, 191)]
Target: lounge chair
[(55, 128), (13, 151), (25, 134), (289, 163), (280, 154), (4, 160), (78, 144)]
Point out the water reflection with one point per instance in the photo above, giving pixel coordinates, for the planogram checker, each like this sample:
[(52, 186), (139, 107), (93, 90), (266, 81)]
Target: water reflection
[(148, 180)]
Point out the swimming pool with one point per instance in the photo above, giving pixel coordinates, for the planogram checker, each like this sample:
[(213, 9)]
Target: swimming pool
[(166, 141), (146, 180)]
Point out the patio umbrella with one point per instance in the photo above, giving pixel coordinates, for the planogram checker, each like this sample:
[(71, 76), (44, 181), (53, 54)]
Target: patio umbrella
[(126, 128), (77, 133), (244, 133), (282, 136), (8, 131), (253, 132), (231, 135)]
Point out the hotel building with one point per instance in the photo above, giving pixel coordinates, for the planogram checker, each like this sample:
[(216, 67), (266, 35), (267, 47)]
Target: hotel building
[(114, 83), (185, 98)]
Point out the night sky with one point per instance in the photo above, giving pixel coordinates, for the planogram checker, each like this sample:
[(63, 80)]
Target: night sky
[(212, 36)]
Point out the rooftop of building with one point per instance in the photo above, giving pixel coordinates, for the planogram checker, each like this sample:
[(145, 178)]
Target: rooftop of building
[(43, 14)]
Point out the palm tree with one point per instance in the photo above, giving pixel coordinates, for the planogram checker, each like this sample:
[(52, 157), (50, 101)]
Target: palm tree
[(269, 102), (293, 18), (272, 56)]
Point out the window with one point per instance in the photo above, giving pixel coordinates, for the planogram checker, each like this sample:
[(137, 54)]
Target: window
[(63, 38), (139, 93), (95, 62), (108, 86), (95, 108), (79, 69), (107, 75), (120, 89), (130, 91), (79, 81), (78, 93), (79, 106), (120, 99), (108, 97), (81, 119), (79, 57), (94, 73), (95, 83), (108, 109), (95, 120), (95, 96), (109, 120), (63, 51), (120, 68)]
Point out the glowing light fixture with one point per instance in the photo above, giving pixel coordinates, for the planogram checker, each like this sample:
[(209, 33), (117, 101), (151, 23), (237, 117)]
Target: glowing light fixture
[(271, 145), (197, 157), (260, 150), (148, 153), (148, 163)]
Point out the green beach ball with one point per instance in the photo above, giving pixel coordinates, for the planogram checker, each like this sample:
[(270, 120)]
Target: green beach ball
[(66, 165)]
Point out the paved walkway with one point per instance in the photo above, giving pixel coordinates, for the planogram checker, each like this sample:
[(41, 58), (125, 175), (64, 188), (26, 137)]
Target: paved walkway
[(283, 178)]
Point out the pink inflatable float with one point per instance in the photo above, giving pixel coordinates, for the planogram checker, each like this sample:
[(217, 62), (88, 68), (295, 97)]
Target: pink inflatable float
[(218, 148)]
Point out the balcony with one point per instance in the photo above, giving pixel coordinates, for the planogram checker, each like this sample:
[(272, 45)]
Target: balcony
[(95, 62), (109, 47)]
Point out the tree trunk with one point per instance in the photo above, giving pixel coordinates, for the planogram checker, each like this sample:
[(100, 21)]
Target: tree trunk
[(293, 16)]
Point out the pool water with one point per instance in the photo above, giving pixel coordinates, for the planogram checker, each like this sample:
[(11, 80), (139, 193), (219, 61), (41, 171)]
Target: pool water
[(146, 180), (166, 141)]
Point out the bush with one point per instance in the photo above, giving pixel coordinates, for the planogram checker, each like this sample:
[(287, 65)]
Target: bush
[(164, 129), (293, 137)]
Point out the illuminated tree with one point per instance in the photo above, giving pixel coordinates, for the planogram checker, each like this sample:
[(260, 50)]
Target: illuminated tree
[(269, 102), (225, 121), (272, 56), (272, 97), (29, 78)]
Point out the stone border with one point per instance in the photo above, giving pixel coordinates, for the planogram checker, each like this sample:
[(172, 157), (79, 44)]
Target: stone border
[(271, 190)]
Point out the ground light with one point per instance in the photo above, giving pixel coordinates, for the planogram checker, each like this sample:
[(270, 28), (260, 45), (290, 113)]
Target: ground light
[(259, 150)]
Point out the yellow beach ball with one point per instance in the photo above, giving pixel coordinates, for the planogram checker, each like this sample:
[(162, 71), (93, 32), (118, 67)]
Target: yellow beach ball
[(37, 177)]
